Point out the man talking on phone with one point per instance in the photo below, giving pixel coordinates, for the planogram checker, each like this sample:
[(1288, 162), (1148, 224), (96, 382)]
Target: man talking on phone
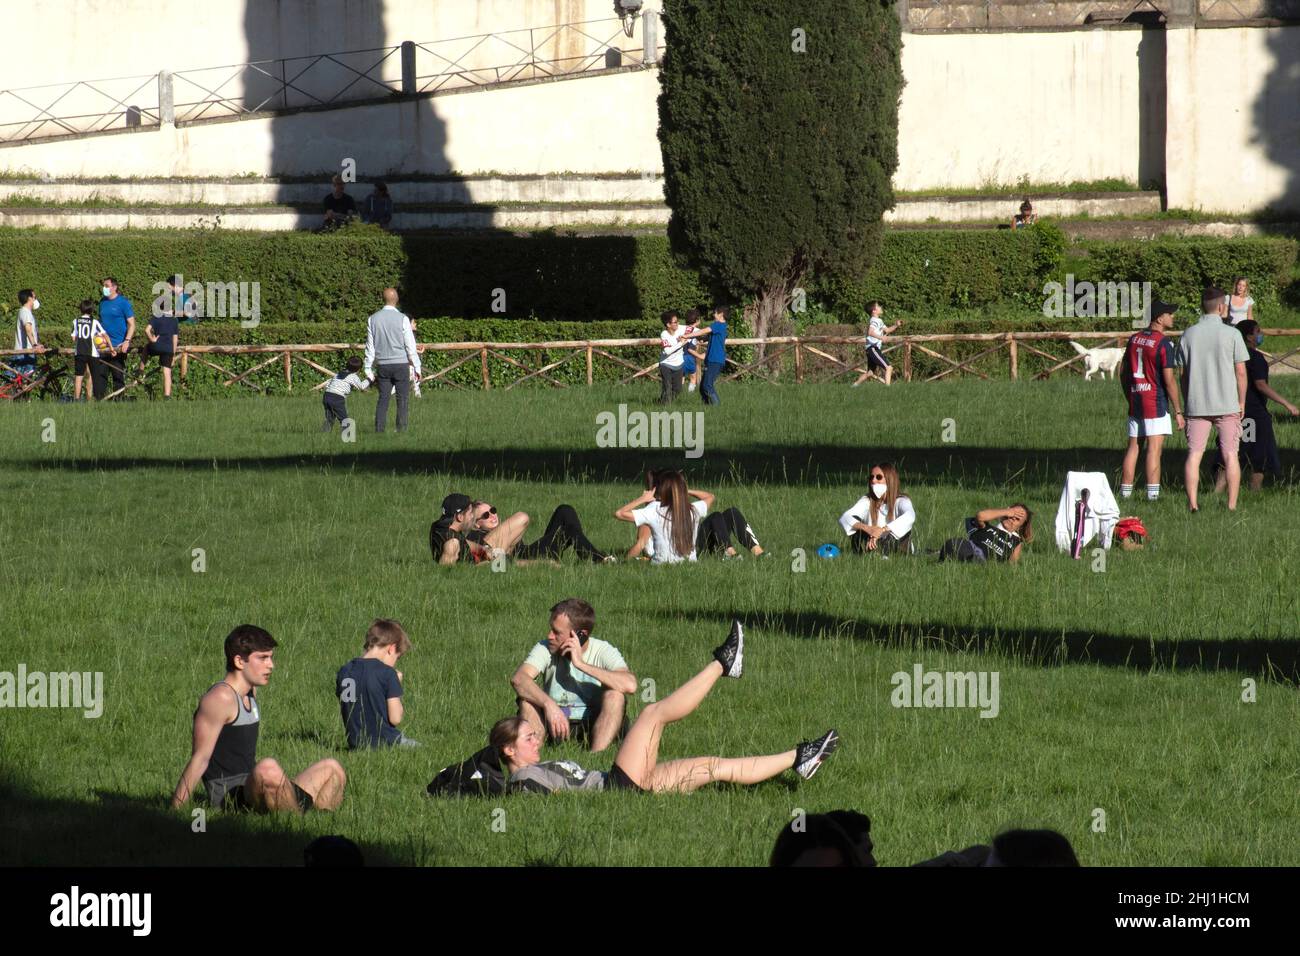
[(585, 681)]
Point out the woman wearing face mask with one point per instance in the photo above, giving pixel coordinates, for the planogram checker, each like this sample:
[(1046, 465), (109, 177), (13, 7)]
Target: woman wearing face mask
[(1262, 452), (881, 522)]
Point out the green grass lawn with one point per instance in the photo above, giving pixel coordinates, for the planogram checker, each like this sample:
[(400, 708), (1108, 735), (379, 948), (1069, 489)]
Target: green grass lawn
[(1120, 690)]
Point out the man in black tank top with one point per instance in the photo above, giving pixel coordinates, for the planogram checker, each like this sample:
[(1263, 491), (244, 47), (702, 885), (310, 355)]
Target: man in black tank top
[(225, 742)]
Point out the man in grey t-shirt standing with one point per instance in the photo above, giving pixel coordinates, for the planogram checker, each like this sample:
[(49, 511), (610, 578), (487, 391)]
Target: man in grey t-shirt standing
[(391, 352), (1214, 361)]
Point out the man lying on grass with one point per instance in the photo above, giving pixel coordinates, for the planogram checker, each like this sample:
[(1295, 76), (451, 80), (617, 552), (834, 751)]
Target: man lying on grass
[(518, 744), (225, 742)]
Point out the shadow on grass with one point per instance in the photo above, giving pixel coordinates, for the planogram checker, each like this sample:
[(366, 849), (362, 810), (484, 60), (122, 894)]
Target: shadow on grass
[(773, 464), (116, 829), (1273, 659)]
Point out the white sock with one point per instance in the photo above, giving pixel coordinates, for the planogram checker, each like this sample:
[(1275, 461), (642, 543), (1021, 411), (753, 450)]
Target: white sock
[(1153, 492), (1125, 491), (690, 387)]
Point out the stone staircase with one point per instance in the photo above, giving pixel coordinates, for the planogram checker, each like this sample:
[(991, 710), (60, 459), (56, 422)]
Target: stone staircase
[(606, 202)]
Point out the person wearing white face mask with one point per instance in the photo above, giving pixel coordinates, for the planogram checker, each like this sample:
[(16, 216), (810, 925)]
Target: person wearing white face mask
[(25, 336), (118, 319), (881, 521)]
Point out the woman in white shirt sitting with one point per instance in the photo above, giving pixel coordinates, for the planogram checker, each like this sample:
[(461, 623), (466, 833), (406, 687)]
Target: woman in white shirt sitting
[(881, 521), (679, 526)]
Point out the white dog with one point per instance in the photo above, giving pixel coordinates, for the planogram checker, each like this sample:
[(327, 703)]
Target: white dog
[(1099, 360)]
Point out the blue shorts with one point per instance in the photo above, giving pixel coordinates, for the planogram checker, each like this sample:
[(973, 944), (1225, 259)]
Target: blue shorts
[(688, 364)]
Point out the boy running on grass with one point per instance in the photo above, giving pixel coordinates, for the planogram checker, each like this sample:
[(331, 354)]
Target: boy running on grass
[(224, 751), (369, 689)]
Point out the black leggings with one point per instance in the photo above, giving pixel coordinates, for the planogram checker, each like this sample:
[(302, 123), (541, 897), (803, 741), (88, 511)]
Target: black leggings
[(716, 530), (563, 531), (885, 544)]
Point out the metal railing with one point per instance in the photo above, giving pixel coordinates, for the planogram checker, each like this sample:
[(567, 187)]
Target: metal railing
[(514, 55), (288, 83), (78, 107), (324, 80)]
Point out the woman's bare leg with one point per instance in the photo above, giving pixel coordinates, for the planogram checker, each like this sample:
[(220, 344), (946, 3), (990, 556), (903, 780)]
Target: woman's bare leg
[(508, 533), (640, 750), (684, 776), (642, 539)]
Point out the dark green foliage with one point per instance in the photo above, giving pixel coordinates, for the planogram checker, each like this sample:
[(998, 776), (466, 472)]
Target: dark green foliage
[(778, 160), (930, 269), (1179, 268), (329, 278)]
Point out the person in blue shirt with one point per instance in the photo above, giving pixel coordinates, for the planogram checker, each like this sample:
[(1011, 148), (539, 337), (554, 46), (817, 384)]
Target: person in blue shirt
[(715, 358), (118, 319), (369, 689)]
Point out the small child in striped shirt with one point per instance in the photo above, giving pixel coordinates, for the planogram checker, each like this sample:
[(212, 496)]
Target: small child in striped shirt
[(337, 390)]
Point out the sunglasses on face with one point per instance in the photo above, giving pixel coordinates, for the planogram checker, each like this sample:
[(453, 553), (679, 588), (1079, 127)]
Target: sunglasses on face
[(490, 511), (877, 477)]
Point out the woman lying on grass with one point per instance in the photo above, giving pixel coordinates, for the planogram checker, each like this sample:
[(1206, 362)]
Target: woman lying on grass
[(994, 534), (637, 767), (672, 528)]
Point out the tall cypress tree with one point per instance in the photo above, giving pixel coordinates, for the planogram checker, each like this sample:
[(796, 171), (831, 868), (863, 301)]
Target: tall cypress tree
[(779, 128)]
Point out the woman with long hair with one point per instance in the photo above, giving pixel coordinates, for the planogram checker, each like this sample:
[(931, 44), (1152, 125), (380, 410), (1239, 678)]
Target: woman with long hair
[(678, 527), (881, 521), (637, 767), (994, 534), (1240, 305)]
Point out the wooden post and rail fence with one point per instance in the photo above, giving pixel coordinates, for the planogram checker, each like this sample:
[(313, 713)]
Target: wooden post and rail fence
[(806, 351)]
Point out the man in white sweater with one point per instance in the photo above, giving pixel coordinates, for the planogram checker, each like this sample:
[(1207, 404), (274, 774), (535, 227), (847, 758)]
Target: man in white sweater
[(391, 356)]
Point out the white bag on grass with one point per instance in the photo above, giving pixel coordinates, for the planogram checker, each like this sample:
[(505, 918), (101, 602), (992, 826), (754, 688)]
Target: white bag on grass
[(1103, 512)]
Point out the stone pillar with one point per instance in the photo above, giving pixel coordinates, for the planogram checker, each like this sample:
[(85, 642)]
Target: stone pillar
[(408, 67), (650, 37), (166, 100)]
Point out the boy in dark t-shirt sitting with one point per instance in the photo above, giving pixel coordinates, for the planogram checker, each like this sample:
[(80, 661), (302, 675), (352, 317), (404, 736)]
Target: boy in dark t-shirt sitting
[(369, 689)]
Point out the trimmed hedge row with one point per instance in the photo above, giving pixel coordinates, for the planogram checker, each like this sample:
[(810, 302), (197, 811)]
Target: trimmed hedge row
[(323, 281), (1178, 268), (306, 277)]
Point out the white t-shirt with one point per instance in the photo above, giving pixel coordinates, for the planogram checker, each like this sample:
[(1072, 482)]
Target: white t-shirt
[(1239, 312), (874, 328), (25, 316), (904, 517), (673, 352), (655, 516)]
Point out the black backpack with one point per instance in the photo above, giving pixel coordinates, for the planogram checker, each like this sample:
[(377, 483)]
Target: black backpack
[(479, 776)]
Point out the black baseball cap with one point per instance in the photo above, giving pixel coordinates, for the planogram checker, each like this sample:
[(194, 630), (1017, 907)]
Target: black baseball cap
[(1161, 308), (454, 504)]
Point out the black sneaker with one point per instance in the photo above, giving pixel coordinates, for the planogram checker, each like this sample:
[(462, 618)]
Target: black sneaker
[(731, 653), (810, 754)]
